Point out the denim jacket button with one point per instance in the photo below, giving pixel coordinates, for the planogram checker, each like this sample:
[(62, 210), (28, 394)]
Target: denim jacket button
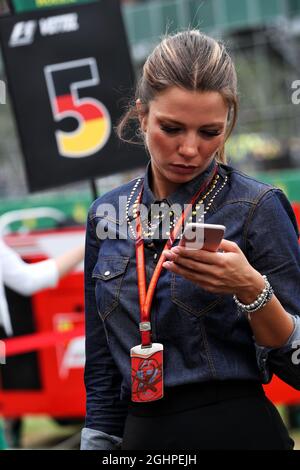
[(107, 273)]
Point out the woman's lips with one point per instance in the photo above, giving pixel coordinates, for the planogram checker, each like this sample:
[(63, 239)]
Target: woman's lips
[(183, 169)]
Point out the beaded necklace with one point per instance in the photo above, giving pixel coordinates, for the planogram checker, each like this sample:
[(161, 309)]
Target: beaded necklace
[(151, 227)]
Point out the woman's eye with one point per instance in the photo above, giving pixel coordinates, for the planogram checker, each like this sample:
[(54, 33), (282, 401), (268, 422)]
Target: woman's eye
[(169, 129), (175, 130), (210, 133)]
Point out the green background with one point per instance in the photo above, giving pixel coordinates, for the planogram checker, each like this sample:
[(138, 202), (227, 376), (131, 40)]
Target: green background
[(30, 5)]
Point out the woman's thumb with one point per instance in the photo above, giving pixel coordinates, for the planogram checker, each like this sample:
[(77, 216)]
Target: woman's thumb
[(229, 246)]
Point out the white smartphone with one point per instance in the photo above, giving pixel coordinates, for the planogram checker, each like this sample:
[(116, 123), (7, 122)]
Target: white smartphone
[(198, 236)]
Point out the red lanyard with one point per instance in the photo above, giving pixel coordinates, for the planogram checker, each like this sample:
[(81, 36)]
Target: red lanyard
[(146, 296)]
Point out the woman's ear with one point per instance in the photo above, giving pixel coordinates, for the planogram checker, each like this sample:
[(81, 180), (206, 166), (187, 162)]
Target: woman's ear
[(142, 115)]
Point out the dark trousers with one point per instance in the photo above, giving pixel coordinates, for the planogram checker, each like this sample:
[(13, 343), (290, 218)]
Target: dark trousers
[(232, 415)]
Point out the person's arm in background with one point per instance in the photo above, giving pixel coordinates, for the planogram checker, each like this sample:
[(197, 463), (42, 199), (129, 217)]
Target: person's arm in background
[(69, 260), (26, 279)]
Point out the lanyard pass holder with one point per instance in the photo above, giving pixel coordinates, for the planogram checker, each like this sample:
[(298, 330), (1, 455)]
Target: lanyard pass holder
[(146, 368), (147, 358)]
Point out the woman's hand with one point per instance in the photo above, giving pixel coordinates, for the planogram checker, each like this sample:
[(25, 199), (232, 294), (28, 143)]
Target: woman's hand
[(223, 272)]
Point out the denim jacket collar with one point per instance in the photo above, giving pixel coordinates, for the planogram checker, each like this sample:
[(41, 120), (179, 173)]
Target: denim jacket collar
[(182, 195)]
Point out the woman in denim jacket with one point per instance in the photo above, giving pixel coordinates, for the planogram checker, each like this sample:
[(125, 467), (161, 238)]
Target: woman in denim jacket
[(228, 319)]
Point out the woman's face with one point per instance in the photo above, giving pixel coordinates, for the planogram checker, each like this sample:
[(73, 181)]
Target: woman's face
[(183, 130)]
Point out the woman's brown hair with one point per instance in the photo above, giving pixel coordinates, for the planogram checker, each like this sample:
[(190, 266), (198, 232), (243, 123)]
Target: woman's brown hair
[(190, 60)]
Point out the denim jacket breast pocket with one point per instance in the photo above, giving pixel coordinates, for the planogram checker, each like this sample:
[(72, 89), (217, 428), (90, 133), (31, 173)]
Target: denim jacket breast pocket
[(191, 298), (109, 273)]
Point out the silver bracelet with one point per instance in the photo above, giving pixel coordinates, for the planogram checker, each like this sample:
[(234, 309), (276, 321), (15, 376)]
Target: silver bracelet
[(262, 299)]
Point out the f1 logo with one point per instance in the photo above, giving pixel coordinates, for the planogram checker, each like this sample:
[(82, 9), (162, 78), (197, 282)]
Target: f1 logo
[(23, 33)]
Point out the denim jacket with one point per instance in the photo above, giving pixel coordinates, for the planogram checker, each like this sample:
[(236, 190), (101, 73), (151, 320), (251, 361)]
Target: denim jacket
[(204, 335)]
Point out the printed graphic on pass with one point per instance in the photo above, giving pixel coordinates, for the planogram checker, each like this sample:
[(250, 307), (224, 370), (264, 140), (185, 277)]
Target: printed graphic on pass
[(64, 80)]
